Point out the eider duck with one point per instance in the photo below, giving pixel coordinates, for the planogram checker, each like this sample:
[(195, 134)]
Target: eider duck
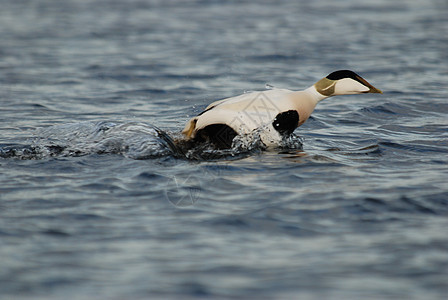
[(276, 112)]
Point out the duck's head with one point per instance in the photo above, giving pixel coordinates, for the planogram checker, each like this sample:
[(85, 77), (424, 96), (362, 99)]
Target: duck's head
[(344, 82)]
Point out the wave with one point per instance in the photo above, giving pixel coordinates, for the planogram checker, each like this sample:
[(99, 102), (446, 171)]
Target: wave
[(135, 140)]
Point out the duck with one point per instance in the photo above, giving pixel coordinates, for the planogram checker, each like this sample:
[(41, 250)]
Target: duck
[(274, 113)]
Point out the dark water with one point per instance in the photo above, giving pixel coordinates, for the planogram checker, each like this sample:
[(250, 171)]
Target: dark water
[(94, 202)]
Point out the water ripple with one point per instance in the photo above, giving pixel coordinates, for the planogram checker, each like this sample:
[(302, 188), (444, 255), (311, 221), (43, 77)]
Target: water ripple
[(100, 203)]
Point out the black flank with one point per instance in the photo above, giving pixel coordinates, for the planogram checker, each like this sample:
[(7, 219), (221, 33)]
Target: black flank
[(220, 135), (286, 122)]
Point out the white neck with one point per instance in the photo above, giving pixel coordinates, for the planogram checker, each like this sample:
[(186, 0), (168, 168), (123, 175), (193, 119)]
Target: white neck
[(315, 94)]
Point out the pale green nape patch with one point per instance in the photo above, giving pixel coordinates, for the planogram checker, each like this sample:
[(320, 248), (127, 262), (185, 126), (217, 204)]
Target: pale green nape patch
[(325, 86)]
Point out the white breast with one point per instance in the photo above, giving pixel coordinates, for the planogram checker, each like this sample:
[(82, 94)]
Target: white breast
[(247, 112), (255, 111)]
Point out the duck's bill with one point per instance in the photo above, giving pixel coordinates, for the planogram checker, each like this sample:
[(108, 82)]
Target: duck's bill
[(372, 89)]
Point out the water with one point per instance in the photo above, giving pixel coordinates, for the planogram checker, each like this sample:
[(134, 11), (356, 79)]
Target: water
[(95, 203)]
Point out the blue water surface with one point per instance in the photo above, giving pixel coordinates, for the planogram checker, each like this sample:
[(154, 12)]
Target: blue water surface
[(95, 203)]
